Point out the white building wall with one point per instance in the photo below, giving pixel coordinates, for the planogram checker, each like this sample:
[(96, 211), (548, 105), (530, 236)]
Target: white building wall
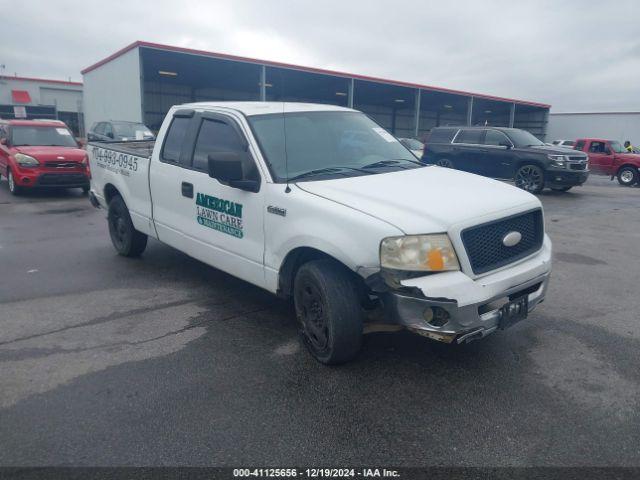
[(614, 126), (65, 97), (112, 91)]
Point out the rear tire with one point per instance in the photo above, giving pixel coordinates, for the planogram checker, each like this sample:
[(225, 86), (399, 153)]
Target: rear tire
[(445, 163), (85, 190), (627, 176), (13, 188), (328, 308), (127, 241), (529, 177), (561, 189)]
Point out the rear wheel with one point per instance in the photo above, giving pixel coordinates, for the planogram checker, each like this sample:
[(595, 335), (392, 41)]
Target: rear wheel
[(627, 176), (444, 162), (328, 308), (530, 178), (127, 241), (13, 188), (561, 189), (85, 190)]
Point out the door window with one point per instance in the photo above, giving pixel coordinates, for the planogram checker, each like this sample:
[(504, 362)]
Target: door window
[(597, 147), (108, 130), (494, 137), (217, 136), (174, 139), (469, 136)]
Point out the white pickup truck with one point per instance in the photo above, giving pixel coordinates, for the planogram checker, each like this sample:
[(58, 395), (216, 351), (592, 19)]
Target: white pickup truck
[(320, 204)]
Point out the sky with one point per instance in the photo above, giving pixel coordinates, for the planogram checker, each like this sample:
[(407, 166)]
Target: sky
[(575, 55)]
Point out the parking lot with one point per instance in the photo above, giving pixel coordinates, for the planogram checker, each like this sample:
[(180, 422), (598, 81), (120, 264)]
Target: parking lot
[(165, 361)]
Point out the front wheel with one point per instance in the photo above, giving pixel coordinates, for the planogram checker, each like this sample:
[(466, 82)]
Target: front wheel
[(328, 308), (127, 241), (13, 188), (627, 176), (530, 178)]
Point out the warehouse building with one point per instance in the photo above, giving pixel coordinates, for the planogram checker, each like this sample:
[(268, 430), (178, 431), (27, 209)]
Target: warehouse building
[(143, 80), (25, 97), (619, 126)]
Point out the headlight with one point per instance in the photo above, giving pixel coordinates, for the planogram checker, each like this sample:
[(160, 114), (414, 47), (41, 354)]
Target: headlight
[(25, 160), (428, 253), (558, 160)]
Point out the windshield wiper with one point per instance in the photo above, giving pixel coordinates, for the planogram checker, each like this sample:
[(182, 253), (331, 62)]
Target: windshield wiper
[(317, 171), (387, 163)]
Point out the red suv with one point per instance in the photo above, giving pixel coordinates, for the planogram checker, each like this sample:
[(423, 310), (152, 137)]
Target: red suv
[(41, 153), (609, 158)]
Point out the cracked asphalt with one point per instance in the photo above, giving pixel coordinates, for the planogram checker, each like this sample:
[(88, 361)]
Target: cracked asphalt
[(165, 361)]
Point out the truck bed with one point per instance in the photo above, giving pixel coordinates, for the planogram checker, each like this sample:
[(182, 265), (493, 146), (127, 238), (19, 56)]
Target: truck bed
[(139, 148)]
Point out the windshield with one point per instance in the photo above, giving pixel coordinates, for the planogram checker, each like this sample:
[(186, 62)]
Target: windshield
[(327, 144), (42, 136), (521, 138), (137, 131), (616, 147)]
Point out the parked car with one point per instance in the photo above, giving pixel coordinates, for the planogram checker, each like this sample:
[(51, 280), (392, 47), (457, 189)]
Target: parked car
[(119, 131), (564, 143), (608, 157), (416, 146), (273, 194), (37, 153), (508, 153)]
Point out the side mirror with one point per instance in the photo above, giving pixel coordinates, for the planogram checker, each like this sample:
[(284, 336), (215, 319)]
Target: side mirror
[(110, 135), (81, 142), (227, 168), (607, 151)]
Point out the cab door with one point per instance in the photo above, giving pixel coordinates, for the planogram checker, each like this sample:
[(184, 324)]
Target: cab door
[(600, 157), (468, 150), (499, 158), (213, 222)]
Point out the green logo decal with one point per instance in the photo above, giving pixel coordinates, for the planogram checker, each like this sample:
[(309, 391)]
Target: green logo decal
[(218, 214)]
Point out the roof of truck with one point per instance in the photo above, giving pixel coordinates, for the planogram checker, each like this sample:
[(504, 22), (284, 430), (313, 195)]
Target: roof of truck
[(262, 108)]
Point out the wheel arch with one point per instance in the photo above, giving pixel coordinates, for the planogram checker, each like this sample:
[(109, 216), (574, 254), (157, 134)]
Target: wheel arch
[(110, 191), (298, 257)]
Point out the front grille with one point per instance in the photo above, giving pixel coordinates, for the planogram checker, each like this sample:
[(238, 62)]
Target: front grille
[(62, 179), (62, 164), (578, 158), (578, 166), (485, 247)]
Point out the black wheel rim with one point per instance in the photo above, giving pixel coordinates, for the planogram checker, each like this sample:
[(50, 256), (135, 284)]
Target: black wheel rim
[(312, 314), (529, 179), (118, 228)]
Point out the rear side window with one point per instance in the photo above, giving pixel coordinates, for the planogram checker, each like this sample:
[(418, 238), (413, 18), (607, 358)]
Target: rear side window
[(569, 143), (175, 137), (469, 136), (579, 145), (214, 136), (442, 135), (494, 137)]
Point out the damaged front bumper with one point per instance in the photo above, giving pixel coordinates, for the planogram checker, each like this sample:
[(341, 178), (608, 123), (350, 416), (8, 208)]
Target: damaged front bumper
[(452, 307)]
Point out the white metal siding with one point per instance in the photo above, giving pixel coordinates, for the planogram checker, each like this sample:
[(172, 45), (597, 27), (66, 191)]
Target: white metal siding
[(112, 90), (614, 126)]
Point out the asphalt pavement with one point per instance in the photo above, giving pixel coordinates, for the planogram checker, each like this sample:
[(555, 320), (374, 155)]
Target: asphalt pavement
[(163, 360)]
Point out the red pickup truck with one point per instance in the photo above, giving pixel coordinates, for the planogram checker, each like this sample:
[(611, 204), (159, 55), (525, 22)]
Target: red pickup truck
[(610, 158), (41, 153)]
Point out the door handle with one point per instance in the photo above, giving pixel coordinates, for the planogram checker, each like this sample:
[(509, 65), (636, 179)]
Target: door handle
[(187, 189)]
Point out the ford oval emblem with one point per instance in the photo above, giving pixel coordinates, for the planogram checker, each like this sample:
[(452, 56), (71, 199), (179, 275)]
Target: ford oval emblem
[(511, 239)]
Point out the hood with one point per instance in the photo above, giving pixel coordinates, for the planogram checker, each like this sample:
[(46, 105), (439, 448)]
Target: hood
[(555, 150), (46, 153), (424, 200)]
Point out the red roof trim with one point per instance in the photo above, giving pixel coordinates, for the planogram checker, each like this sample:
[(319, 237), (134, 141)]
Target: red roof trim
[(42, 80), (227, 56)]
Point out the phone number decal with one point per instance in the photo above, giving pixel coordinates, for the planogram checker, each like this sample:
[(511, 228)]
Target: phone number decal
[(115, 161)]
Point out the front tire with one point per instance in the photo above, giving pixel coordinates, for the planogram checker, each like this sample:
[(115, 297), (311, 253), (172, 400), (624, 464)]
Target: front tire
[(627, 176), (127, 241), (328, 308), (13, 188), (530, 178)]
